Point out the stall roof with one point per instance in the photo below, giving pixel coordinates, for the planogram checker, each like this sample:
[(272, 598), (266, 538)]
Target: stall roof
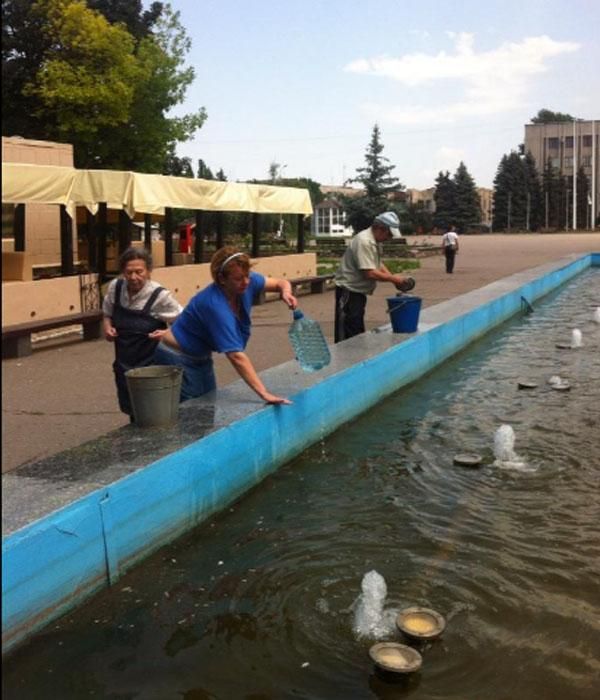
[(143, 193)]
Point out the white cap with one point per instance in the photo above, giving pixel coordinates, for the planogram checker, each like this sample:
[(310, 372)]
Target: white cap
[(391, 220)]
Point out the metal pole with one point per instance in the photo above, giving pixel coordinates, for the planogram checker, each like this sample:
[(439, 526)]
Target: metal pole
[(124, 231), (527, 212), (66, 242), (593, 222), (547, 195), (148, 232), (300, 229), (574, 175), (92, 241), (169, 226), (198, 238), (102, 236), (19, 228), (255, 235)]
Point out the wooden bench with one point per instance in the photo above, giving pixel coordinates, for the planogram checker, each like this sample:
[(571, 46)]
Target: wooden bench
[(16, 339), (317, 284)]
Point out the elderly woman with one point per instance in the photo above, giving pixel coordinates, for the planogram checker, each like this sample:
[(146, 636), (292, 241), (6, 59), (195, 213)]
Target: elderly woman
[(136, 313), (217, 319)]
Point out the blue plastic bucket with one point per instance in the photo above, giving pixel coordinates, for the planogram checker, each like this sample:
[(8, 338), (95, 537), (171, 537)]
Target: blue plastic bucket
[(404, 313)]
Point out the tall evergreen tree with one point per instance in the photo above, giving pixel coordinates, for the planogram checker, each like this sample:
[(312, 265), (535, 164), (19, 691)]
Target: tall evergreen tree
[(467, 210), (444, 198), (517, 194), (583, 192), (378, 184), (535, 212), (551, 195)]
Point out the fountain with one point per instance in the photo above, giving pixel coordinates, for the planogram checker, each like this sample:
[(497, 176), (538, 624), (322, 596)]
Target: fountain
[(576, 338), (506, 457), (597, 314), (370, 619)]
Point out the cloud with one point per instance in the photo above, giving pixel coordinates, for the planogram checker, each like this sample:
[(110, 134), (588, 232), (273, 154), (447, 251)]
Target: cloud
[(493, 81)]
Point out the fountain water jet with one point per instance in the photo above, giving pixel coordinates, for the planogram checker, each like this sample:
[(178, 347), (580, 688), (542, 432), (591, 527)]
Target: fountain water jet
[(370, 619), (506, 457), (576, 337)]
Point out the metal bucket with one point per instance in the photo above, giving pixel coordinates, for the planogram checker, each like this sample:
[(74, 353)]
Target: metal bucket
[(154, 392)]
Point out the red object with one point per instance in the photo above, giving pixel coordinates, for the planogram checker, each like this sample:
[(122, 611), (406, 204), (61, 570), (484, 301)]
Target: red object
[(185, 238)]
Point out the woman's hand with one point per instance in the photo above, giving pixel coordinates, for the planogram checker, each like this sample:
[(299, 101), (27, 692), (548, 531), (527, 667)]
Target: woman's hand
[(272, 399), (289, 298), (245, 368), (110, 332), (158, 334)]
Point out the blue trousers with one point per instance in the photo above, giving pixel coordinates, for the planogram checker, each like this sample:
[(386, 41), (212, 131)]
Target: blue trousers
[(198, 372)]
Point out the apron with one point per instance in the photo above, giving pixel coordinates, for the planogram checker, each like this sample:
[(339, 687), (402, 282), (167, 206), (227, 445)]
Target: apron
[(133, 348)]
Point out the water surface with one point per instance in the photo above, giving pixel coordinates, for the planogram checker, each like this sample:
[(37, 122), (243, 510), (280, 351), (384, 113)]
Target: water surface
[(258, 603)]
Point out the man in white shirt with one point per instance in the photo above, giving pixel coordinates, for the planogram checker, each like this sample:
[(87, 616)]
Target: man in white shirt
[(360, 269), (450, 243)]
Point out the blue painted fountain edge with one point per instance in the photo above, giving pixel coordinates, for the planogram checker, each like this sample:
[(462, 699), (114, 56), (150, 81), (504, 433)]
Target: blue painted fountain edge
[(55, 563)]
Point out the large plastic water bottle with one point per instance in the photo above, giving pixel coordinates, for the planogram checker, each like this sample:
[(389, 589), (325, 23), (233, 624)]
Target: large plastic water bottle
[(309, 343)]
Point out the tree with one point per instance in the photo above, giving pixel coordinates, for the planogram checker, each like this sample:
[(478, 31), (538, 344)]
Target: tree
[(178, 167), (518, 199), (444, 199), (550, 194), (535, 204), (467, 210), (583, 193), (139, 23), (69, 74), (545, 116), (378, 184), (150, 137), (84, 79)]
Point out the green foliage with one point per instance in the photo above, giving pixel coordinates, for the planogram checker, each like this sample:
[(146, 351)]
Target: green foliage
[(86, 81), (377, 182), (416, 219), (467, 211), (71, 75), (326, 266), (444, 197), (545, 116), (139, 23), (517, 194)]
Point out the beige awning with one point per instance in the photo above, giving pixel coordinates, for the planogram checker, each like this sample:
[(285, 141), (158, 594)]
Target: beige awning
[(143, 193)]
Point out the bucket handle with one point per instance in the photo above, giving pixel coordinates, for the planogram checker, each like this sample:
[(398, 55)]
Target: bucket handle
[(398, 306)]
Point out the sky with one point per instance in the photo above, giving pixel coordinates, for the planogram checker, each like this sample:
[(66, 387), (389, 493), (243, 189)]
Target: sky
[(301, 83)]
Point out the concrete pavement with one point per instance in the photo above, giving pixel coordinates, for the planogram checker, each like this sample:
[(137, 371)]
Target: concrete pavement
[(64, 395)]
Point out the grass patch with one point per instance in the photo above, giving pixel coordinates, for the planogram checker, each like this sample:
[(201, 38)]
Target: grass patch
[(326, 266)]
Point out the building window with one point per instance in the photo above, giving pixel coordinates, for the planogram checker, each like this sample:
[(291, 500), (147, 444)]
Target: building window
[(568, 161), (330, 220), (587, 141), (586, 161), (553, 143), (555, 162), (569, 142)]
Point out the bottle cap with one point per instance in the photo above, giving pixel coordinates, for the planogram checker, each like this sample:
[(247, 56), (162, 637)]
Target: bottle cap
[(298, 314)]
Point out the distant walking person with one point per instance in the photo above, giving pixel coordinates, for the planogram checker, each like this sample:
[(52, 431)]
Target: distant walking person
[(136, 313), (450, 243), (360, 270)]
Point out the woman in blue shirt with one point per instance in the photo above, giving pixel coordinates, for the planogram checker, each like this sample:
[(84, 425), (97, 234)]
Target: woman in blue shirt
[(217, 319)]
